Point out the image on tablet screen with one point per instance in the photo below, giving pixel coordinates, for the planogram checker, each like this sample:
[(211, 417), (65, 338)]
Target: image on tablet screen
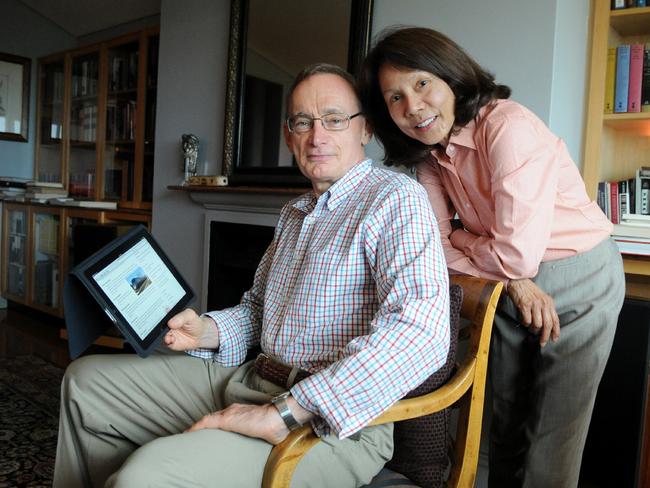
[(140, 286)]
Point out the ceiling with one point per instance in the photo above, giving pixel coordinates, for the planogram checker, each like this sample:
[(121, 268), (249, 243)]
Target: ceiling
[(81, 17)]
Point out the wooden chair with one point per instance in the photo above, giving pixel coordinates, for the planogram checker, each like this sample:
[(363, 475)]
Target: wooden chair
[(465, 389)]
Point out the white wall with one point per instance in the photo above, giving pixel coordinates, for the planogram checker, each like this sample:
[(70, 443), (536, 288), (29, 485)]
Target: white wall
[(191, 99), (538, 48), (26, 33)]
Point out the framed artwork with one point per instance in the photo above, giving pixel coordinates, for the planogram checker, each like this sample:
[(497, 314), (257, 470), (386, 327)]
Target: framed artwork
[(15, 72)]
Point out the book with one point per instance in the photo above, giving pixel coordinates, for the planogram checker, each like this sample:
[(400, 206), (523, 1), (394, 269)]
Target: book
[(645, 81), (642, 173), (610, 80), (627, 230), (613, 203), (623, 198), (617, 4), (635, 78), (86, 203), (622, 78), (631, 186), (639, 246), (630, 218)]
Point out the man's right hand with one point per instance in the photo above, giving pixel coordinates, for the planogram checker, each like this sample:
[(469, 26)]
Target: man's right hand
[(189, 331)]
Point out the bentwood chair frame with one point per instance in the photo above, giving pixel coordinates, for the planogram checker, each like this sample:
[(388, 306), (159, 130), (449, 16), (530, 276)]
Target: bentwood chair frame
[(465, 390)]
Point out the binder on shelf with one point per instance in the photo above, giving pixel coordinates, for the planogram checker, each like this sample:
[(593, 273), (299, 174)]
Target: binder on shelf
[(636, 76), (610, 76), (613, 202), (622, 78), (645, 81)]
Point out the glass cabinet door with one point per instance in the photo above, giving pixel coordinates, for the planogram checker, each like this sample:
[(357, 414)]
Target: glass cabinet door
[(83, 125), (46, 258), (16, 253), (121, 103), (49, 162)]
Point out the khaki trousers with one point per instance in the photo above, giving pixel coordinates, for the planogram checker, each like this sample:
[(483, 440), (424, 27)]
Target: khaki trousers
[(543, 397), (123, 417)]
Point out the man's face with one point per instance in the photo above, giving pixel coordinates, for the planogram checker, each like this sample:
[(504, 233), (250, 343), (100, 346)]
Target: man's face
[(324, 156)]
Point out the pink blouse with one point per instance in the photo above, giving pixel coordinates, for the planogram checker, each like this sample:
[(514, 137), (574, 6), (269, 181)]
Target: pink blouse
[(517, 191)]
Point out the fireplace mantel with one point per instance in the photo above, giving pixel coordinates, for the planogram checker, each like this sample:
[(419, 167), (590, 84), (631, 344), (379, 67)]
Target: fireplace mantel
[(254, 199)]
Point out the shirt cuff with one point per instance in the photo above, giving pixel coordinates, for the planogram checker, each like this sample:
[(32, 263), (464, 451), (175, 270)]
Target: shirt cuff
[(232, 346)]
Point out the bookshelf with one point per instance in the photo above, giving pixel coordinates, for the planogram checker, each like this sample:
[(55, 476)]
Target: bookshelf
[(39, 247), (616, 144), (96, 111)]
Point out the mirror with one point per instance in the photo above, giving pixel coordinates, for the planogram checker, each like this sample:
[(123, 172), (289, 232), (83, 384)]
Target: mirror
[(270, 42)]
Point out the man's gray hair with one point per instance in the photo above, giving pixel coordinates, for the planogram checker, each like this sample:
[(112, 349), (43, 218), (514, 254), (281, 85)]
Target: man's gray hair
[(321, 69)]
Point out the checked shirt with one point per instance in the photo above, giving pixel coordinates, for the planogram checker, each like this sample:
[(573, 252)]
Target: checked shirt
[(353, 288)]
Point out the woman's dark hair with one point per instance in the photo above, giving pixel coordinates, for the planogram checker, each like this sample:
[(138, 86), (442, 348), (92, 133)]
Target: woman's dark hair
[(416, 48)]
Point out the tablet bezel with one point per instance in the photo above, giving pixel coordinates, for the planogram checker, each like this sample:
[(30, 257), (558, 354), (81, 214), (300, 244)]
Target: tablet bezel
[(107, 255)]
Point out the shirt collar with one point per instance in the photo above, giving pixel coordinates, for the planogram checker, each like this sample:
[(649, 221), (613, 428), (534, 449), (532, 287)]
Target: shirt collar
[(343, 188), (338, 192), (465, 136)]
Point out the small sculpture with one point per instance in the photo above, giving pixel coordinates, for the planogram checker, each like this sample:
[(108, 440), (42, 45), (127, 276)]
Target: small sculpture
[(190, 154)]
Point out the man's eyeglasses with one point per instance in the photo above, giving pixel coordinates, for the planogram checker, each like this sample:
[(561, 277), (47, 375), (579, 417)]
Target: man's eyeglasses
[(303, 123)]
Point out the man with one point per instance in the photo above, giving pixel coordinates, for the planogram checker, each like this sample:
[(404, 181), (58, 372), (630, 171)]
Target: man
[(351, 297)]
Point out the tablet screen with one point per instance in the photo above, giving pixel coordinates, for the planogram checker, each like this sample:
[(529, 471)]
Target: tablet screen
[(140, 286)]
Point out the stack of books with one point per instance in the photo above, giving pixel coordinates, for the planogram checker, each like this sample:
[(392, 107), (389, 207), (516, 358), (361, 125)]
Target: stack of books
[(630, 196), (12, 188), (632, 235), (43, 192), (627, 81)]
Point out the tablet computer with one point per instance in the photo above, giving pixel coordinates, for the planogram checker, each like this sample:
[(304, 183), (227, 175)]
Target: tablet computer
[(135, 285)]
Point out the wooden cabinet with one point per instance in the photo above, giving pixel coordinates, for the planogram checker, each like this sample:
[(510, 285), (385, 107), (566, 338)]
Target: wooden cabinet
[(15, 252), (41, 243), (96, 113), (616, 144)]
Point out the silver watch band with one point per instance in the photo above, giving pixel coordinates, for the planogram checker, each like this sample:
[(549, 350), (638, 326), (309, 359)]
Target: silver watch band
[(280, 403)]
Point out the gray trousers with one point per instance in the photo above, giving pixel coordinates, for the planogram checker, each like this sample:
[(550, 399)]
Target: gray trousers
[(123, 417), (543, 397)]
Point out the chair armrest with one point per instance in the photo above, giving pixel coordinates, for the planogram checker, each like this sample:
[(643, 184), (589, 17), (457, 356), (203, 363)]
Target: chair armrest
[(285, 456)]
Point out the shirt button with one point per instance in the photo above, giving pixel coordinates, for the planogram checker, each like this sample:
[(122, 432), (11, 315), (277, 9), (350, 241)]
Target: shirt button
[(467, 205), (451, 150)]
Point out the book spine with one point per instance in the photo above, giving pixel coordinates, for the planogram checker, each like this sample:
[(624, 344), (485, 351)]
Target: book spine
[(613, 204), (609, 80), (600, 197), (623, 199), (631, 186), (616, 4), (640, 3), (622, 78), (645, 82), (645, 196), (636, 75)]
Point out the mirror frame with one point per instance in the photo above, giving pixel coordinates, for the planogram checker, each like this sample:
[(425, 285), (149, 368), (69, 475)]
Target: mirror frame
[(358, 44)]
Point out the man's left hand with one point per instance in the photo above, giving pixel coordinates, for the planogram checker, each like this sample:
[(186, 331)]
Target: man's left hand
[(261, 421)]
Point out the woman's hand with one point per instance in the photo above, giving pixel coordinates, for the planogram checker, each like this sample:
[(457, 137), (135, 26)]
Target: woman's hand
[(188, 331), (537, 309)]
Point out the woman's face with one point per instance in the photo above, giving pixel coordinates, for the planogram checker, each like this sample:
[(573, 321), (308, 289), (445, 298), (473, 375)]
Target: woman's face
[(420, 103)]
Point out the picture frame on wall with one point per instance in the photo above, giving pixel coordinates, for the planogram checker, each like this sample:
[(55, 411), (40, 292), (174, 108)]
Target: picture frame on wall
[(15, 73)]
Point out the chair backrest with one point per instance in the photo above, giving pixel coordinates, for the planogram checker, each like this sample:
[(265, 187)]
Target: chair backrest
[(465, 389)]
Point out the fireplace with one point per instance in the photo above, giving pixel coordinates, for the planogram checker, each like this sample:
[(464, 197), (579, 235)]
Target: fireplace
[(235, 250)]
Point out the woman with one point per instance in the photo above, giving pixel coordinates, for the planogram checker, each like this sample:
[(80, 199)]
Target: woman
[(527, 221)]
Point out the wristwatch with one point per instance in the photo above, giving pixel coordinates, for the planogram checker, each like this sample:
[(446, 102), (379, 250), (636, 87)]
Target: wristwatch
[(280, 402)]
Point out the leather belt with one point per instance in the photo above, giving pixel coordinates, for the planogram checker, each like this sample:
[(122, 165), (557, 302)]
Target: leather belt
[(278, 373)]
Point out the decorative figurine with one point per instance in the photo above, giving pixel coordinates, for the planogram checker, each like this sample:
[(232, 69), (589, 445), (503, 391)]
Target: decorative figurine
[(190, 155)]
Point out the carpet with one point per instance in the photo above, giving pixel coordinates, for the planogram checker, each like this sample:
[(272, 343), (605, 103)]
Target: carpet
[(29, 419)]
